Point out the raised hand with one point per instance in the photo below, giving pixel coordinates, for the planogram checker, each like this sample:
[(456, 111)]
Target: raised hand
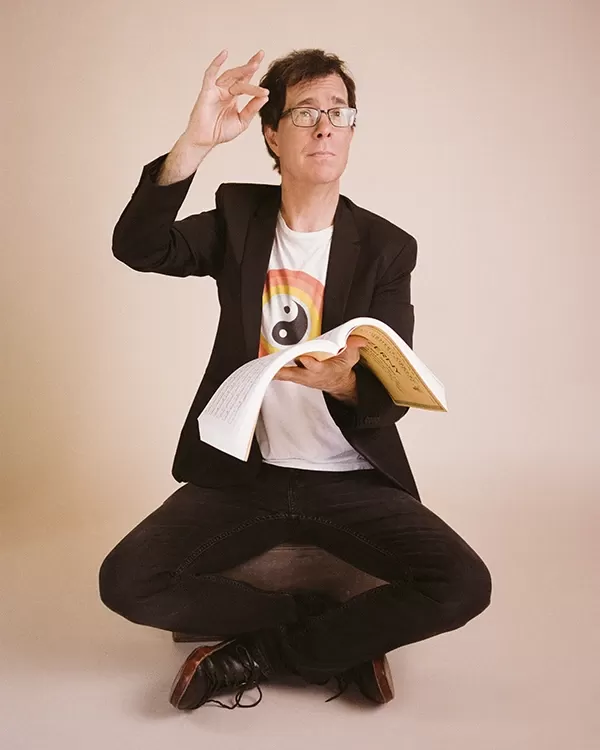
[(215, 117)]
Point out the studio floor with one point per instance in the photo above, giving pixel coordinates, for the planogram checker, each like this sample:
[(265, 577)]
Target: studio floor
[(519, 676)]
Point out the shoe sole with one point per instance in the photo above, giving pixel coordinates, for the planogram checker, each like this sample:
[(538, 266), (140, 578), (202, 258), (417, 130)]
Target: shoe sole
[(382, 676), (186, 674)]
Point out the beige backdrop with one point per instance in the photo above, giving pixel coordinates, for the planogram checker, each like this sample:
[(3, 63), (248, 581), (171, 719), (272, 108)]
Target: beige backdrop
[(478, 135)]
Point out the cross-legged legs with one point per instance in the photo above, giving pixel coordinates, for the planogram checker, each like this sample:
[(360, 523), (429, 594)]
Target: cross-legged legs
[(167, 571)]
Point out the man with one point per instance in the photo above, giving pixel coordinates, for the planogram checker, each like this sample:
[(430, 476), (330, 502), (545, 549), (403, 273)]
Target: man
[(327, 465)]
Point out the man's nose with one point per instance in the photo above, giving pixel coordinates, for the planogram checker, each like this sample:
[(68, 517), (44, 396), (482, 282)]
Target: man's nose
[(324, 126)]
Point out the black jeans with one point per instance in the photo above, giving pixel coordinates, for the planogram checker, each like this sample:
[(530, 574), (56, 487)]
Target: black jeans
[(165, 572)]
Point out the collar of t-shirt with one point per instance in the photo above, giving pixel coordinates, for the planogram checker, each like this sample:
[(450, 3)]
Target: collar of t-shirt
[(303, 237)]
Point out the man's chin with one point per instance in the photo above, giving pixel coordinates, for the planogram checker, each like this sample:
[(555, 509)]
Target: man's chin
[(324, 174)]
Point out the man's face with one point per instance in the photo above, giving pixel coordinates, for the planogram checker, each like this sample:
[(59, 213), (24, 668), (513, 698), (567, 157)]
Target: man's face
[(298, 148)]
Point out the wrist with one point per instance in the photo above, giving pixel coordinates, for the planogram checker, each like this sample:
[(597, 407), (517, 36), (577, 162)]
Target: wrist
[(347, 392), (186, 143), (182, 161)]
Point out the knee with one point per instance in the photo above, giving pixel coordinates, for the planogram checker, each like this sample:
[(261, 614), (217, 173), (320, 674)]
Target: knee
[(474, 591), (110, 585), (119, 585)]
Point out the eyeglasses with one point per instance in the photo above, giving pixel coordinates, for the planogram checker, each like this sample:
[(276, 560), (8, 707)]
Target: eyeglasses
[(308, 117)]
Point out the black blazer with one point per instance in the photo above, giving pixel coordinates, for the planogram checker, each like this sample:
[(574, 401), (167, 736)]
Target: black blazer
[(369, 273)]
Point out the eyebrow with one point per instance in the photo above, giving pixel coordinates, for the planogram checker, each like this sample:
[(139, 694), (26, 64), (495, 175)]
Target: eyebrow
[(312, 100)]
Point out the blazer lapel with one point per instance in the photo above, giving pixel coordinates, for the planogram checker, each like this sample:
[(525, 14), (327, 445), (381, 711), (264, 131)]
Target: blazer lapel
[(343, 256), (255, 262)]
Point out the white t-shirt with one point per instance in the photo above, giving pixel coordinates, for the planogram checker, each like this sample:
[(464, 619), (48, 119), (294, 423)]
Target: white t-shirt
[(294, 427)]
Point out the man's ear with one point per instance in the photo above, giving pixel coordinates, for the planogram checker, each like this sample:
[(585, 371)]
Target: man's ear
[(271, 136)]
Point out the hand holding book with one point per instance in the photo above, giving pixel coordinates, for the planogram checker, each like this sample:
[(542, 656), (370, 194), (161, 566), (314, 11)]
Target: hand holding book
[(229, 419), (334, 374)]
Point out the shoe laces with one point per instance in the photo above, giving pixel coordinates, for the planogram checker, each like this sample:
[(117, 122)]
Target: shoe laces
[(254, 673), (345, 679), (343, 682)]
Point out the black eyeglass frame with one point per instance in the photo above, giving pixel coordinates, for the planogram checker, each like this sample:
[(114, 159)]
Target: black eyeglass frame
[(321, 113)]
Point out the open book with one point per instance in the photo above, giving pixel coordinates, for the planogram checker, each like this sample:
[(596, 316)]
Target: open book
[(228, 420)]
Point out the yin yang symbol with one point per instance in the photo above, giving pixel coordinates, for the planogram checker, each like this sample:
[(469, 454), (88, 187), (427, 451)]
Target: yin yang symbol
[(293, 327)]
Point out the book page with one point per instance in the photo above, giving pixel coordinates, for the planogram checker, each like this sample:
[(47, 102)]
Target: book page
[(233, 393), (239, 391), (408, 380), (337, 335), (228, 420)]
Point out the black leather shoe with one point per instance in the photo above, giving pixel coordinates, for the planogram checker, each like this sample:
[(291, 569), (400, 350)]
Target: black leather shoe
[(373, 679), (231, 666)]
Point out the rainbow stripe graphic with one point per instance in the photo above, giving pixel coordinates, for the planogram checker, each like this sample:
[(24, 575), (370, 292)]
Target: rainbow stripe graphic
[(294, 299)]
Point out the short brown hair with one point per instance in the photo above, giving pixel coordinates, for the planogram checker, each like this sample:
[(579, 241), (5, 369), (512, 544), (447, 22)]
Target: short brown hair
[(299, 65)]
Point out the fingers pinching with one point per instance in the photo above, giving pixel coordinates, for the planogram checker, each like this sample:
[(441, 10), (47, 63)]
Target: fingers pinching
[(240, 87), (241, 72), (251, 109)]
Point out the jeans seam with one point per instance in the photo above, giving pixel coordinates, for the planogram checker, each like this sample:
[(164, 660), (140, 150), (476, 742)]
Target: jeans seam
[(375, 591), (359, 537), (277, 593), (290, 495), (219, 538)]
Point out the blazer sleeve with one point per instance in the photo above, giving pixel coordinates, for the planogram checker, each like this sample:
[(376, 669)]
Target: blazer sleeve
[(392, 304), (148, 238)]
